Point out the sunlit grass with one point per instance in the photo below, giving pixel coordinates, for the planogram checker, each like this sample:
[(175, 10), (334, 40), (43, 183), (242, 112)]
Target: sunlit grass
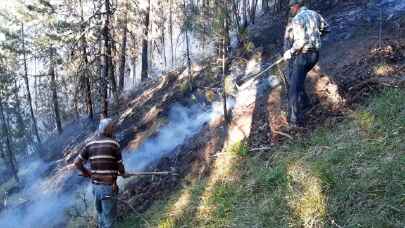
[(223, 174), (383, 70), (305, 196), (350, 176)]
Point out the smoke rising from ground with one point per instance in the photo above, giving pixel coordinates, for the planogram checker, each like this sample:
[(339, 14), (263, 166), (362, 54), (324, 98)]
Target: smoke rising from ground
[(46, 207), (33, 206), (183, 123)]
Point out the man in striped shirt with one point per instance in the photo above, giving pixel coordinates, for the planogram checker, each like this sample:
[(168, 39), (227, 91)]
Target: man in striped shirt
[(106, 165)]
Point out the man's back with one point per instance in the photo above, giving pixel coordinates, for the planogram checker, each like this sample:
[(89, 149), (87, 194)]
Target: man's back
[(308, 26), (105, 159)]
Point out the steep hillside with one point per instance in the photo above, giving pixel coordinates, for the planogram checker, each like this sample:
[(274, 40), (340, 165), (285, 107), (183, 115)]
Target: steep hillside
[(345, 169), (349, 174)]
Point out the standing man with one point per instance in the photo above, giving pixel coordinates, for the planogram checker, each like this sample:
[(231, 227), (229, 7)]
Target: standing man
[(105, 166), (304, 35)]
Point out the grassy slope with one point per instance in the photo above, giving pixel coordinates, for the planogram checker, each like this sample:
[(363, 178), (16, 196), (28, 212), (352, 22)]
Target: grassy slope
[(350, 176)]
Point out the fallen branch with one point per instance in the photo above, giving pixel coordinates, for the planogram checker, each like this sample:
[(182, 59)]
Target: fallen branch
[(283, 134), (259, 149), (334, 223), (135, 211)]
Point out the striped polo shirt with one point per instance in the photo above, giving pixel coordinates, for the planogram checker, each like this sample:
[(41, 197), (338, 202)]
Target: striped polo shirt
[(104, 156)]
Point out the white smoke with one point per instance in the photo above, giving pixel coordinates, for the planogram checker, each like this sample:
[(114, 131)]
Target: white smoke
[(183, 123), (32, 206), (47, 207)]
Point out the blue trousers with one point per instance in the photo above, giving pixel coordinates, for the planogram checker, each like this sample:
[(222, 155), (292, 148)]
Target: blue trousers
[(299, 66), (106, 205)]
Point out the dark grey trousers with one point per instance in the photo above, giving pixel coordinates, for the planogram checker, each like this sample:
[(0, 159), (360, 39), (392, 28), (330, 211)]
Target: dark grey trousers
[(299, 66)]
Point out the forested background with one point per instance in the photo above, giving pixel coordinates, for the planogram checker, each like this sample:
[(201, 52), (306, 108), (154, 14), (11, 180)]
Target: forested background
[(63, 60)]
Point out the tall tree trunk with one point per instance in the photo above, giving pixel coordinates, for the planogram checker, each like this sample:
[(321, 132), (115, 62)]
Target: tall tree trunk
[(244, 13), (123, 50), (20, 120), (54, 91), (235, 9), (145, 43), (103, 73), (253, 8), (265, 6), (171, 30), (108, 63), (100, 61), (225, 46), (27, 87), (11, 156), (86, 73), (163, 34), (187, 46)]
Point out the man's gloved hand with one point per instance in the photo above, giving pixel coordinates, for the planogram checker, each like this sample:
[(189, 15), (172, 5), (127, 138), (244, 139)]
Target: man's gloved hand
[(287, 55)]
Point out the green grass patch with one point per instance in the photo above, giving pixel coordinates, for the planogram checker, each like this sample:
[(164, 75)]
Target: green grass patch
[(350, 176), (240, 149)]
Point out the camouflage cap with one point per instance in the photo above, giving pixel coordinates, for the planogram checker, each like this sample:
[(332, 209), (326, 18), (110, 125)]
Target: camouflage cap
[(293, 2)]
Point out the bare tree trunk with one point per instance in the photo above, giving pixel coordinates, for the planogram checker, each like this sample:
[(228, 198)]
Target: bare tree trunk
[(265, 6), (253, 8), (100, 61), (171, 30), (244, 13), (54, 91), (225, 47), (108, 51), (187, 47), (11, 155), (123, 50), (86, 74), (235, 9), (20, 120), (27, 87), (145, 43), (164, 45), (103, 82)]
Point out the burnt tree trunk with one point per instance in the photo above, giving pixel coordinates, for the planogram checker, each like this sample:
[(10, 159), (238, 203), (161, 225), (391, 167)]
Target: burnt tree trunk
[(27, 87), (86, 74), (20, 120), (102, 75), (123, 50), (145, 42), (253, 8), (187, 46), (224, 52), (54, 91), (265, 6), (11, 156), (108, 63), (171, 31), (245, 13)]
